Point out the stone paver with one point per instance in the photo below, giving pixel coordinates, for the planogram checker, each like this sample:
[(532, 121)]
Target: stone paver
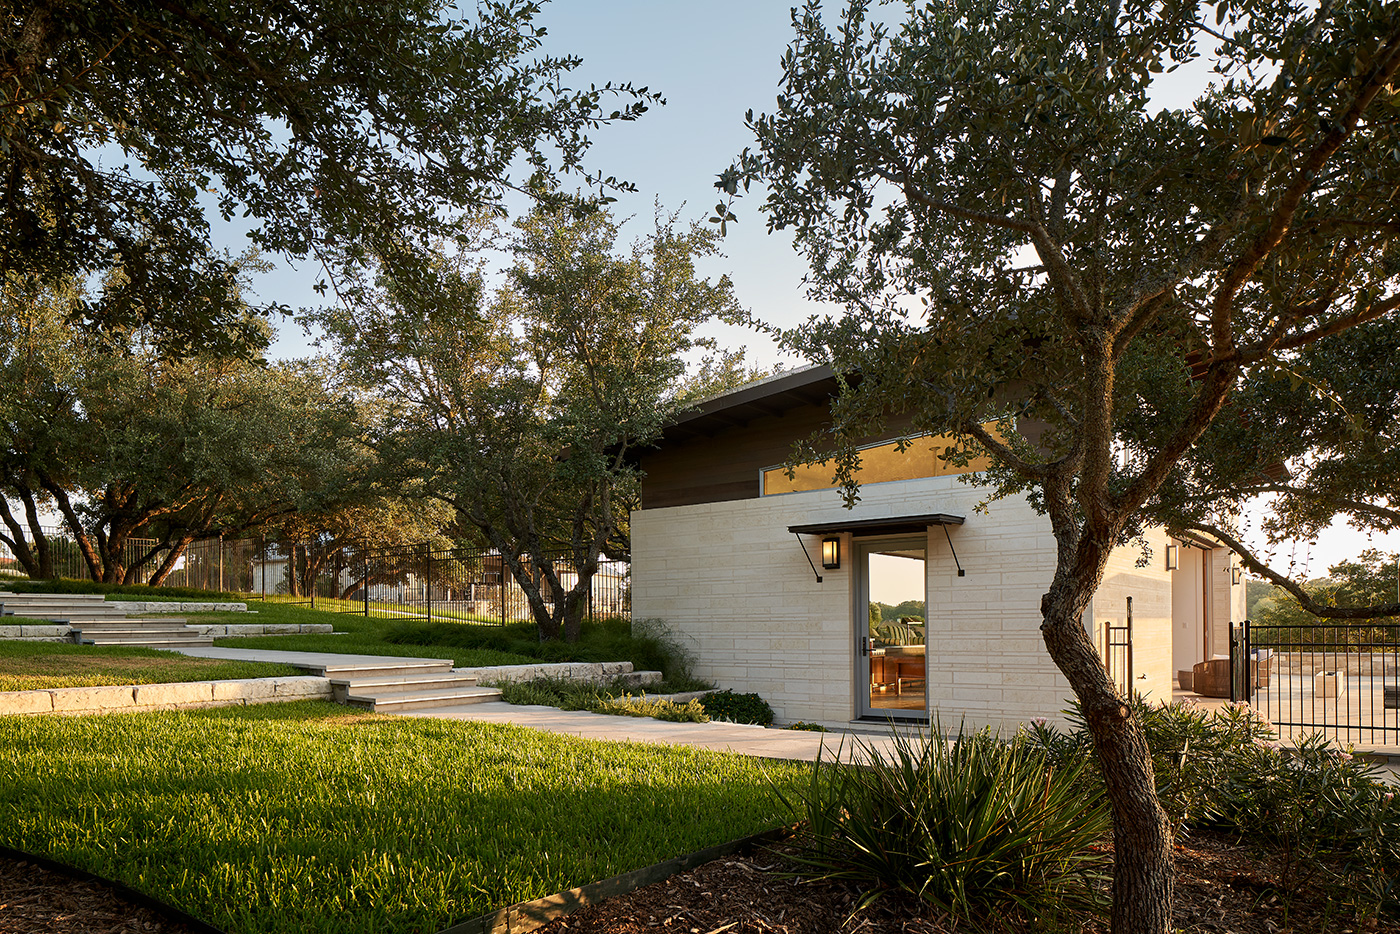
[(724, 737), (730, 737)]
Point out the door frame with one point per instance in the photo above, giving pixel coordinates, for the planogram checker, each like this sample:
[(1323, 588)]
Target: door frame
[(860, 626)]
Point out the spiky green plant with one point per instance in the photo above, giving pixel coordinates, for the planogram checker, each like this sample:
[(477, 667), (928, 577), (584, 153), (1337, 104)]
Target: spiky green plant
[(976, 827)]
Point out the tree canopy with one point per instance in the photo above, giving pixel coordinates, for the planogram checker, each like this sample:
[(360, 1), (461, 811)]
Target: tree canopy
[(1019, 233), (336, 127), (124, 441), (520, 408)]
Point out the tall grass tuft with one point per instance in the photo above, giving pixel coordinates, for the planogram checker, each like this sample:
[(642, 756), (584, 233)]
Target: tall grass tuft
[(975, 827)]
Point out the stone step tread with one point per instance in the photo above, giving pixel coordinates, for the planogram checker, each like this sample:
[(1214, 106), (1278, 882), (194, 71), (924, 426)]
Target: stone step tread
[(139, 638), (149, 643), (85, 612), (350, 671), (417, 700), (404, 682), (69, 597), (131, 622)]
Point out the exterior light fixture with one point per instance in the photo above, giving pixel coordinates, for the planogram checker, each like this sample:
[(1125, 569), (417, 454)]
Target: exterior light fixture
[(1236, 575), (831, 553), (1173, 557)]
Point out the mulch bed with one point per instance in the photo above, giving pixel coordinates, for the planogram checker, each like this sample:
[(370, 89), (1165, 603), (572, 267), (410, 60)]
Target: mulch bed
[(1222, 888), (34, 900)]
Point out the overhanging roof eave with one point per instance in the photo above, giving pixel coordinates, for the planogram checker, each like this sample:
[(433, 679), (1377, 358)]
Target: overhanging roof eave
[(888, 525)]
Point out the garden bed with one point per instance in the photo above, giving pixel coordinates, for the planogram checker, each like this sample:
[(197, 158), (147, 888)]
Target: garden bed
[(1220, 886)]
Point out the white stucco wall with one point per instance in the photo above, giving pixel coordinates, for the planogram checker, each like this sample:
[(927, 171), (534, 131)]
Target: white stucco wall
[(732, 585)]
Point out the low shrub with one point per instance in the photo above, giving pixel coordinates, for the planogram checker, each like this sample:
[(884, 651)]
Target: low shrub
[(654, 707), (610, 699), (975, 827), (804, 725), (737, 708), (1321, 812)]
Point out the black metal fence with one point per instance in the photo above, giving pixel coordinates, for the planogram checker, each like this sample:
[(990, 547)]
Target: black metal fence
[(408, 583), (458, 584), (1340, 679)]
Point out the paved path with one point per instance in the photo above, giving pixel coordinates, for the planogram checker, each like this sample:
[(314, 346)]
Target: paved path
[(725, 737), (730, 737)]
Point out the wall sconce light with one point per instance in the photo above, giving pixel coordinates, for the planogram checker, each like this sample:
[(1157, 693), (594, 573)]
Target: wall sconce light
[(1236, 575), (831, 553), (1173, 557)]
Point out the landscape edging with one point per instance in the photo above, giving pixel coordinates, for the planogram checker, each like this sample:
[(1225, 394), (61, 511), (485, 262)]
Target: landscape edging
[(525, 917)]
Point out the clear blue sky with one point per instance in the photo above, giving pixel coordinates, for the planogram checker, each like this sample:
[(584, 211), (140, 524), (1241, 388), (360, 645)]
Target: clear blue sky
[(712, 62)]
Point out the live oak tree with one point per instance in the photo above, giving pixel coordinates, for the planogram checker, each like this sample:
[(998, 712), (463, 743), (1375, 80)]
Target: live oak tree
[(333, 126), (522, 408), (1020, 233), (1369, 581), (126, 442)]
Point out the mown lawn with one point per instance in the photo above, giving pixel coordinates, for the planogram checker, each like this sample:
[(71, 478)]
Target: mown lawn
[(354, 634), (308, 818), (31, 666)]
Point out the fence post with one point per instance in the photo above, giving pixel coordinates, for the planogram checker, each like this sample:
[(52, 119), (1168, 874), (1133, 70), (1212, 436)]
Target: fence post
[(364, 582), (428, 572)]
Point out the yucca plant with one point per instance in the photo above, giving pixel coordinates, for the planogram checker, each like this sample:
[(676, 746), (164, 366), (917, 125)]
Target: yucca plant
[(976, 827)]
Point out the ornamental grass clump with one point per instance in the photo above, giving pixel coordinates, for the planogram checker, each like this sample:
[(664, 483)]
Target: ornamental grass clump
[(975, 827)]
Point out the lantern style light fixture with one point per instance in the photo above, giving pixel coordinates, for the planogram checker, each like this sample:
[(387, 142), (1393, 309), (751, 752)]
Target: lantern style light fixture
[(1173, 557), (831, 553), (1236, 574)]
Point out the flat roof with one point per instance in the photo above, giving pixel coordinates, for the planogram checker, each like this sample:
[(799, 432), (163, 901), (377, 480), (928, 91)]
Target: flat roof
[(774, 395), (890, 525)]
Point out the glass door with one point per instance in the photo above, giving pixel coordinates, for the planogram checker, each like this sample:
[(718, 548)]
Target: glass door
[(891, 608)]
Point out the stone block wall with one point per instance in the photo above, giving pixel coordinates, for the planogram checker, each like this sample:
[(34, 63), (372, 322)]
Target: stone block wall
[(139, 697), (735, 590)]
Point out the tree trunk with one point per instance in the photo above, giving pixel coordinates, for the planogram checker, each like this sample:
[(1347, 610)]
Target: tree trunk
[(91, 556), (161, 573), (1142, 837), (18, 542)]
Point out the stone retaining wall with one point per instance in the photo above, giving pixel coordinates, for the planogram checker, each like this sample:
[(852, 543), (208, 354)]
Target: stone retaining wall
[(63, 632), (590, 672), (170, 606), (138, 697), (219, 630)]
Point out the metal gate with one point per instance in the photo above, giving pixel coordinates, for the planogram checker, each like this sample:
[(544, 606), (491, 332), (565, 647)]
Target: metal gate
[(1339, 679), (1118, 651)]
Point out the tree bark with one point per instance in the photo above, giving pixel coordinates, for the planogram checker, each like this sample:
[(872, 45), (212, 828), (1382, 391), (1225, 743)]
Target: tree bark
[(1143, 866), (172, 556), (18, 543)]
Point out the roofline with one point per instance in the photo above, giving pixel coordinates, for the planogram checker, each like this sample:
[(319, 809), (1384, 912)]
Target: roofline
[(759, 390)]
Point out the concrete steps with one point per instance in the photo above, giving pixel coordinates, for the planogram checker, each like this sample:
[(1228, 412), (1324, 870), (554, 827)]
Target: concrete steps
[(94, 621), (416, 686)]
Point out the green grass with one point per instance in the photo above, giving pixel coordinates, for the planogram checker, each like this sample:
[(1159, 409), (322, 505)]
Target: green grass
[(32, 666), (354, 634), (307, 818), (468, 645)]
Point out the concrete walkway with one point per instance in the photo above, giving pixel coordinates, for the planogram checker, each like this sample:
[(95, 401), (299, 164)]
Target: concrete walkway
[(725, 737), (761, 742)]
